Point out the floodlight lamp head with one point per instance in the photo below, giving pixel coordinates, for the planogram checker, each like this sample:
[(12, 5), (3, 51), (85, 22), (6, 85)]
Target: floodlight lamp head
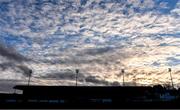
[(169, 69), (77, 70), (30, 72), (122, 70)]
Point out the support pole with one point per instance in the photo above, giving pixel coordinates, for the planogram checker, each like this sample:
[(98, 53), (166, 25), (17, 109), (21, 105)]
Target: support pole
[(77, 71), (122, 71), (29, 79), (169, 69)]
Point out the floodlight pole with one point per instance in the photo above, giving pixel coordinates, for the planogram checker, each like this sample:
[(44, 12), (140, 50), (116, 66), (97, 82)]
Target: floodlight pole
[(77, 71), (30, 73), (169, 69), (122, 71)]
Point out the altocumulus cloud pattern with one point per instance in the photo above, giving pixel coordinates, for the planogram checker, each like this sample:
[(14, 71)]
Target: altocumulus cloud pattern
[(100, 37)]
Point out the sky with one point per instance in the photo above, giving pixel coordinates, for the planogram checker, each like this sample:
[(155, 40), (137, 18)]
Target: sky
[(98, 37)]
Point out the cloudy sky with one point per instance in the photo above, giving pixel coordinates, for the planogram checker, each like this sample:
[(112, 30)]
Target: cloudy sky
[(99, 37)]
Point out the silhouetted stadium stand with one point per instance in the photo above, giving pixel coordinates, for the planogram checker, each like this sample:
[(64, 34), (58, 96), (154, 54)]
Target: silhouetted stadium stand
[(91, 97)]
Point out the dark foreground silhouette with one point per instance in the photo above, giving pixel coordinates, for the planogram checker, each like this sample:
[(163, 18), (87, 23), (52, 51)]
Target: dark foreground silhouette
[(91, 97)]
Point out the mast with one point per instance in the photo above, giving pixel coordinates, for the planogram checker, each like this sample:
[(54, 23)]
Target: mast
[(122, 71), (169, 69), (29, 75), (77, 72)]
